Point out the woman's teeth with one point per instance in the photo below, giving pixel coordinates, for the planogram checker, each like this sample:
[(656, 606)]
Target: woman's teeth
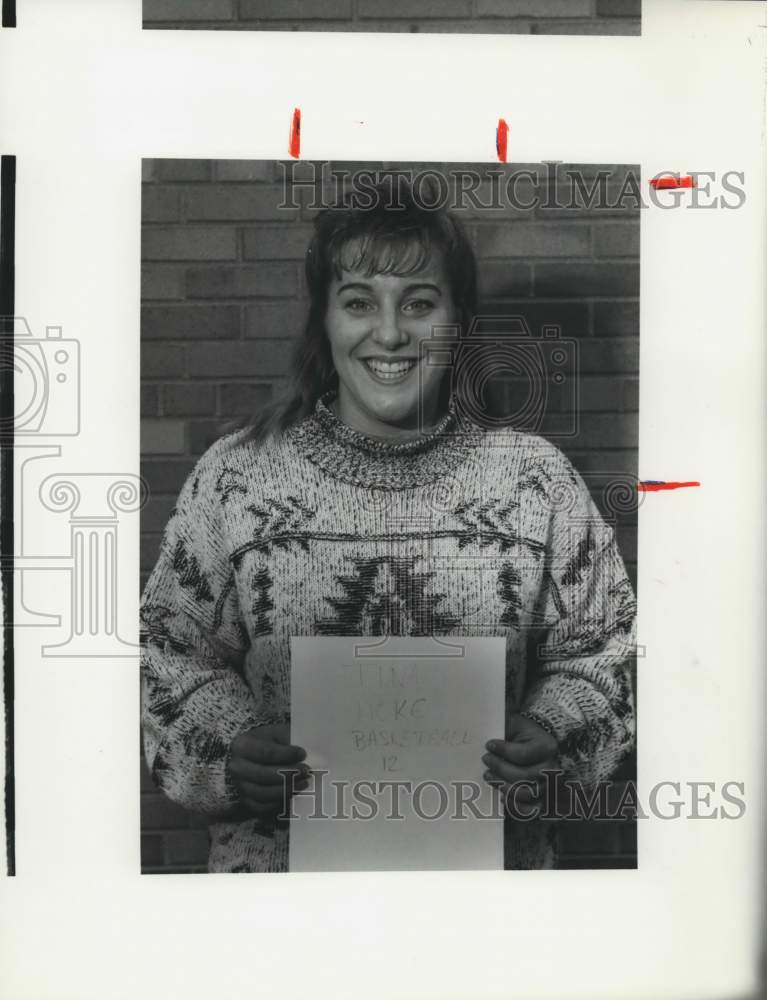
[(390, 371)]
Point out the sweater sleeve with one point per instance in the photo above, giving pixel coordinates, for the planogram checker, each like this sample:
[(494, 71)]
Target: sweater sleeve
[(195, 700), (582, 692)]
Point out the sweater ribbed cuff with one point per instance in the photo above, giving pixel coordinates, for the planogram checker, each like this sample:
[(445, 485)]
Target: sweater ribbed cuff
[(553, 711), (540, 720)]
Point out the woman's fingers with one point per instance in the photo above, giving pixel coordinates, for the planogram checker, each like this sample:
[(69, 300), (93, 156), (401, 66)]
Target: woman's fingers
[(268, 802), (278, 733), (261, 774), (267, 769), (255, 748), (269, 793), (524, 752), (516, 766), (502, 770), (519, 794)]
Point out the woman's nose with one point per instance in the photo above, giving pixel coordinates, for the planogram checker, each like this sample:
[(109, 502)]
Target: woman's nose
[(389, 331)]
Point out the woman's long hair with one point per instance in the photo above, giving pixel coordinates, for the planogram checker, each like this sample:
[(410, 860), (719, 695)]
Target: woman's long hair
[(387, 238)]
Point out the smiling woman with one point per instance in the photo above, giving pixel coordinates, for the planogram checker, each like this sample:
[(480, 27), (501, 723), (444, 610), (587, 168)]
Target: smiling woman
[(382, 281), (369, 502)]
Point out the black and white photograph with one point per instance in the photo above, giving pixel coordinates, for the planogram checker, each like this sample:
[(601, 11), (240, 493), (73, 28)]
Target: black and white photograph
[(389, 438), (381, 515), (486, 17)]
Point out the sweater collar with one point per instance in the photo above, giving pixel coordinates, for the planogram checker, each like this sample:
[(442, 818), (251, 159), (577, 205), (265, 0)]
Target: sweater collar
[(349, 455)]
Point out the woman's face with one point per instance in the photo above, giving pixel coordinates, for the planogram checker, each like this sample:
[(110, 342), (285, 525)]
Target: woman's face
[(375, 326)]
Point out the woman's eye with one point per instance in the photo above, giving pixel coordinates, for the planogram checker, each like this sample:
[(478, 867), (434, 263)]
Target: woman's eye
[(419, 306), (358, 305)]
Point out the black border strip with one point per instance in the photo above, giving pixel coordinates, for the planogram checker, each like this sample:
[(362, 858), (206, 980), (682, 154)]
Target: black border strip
[(9, 13), (7, 309)]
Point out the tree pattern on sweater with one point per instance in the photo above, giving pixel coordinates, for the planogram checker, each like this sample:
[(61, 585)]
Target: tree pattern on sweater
[(490, 523), (400, 606), (190, 576), (280, 522), (263, 604), (509, 587)]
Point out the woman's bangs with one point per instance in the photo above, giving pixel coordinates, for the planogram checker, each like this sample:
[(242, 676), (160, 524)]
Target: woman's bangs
[(400, 252)]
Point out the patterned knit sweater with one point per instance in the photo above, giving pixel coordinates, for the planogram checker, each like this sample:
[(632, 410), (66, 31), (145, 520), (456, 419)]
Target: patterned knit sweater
[(322, 531)]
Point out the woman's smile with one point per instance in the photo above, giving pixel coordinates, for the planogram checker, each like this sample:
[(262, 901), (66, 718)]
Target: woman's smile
[(390, 370)]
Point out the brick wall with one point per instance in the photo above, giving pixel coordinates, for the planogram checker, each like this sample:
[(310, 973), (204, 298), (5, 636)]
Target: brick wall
[(223, 294), (577, 17)]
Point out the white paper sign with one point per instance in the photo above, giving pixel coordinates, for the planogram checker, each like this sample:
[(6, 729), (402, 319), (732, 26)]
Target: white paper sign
[(395, 730)]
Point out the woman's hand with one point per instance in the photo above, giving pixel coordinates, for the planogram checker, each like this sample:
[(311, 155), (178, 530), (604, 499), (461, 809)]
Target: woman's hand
[(522, 758), (266, 769)]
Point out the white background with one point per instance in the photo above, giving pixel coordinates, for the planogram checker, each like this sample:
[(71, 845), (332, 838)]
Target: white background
[(84, 94)]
